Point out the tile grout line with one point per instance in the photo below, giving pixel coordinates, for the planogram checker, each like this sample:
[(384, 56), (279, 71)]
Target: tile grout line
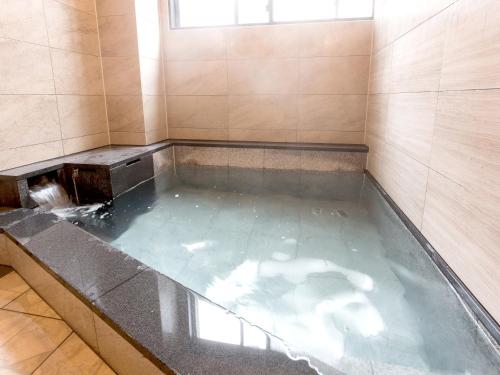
[(19, 296), (53, 351), (48, 45), (35, 315), (424, 21), (53, 76), (98, 35)]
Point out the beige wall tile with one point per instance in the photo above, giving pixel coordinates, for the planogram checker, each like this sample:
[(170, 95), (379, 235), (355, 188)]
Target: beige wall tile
[(74, 356), (75, 73), (87, 6), (151, 76), (118, 36), (330, 136), (263, 112), (125, 113), (381, 71), (25, 68), (127, 138), (381, 24), (196, 78), (332, 112), (156, 135), (334, 75), (281, 159), (23, 20), (410, 125), (376, 114), (115, 7), (121, 75), (472, 46), (273, 135), (418, 56), (16, 157), (197, 111), (263, 80), (393, 18), (27, 120), (195, 44), (258, 42), (246, 157), (154, 113), (464, 237), (71, 29), (81, 115), (197, 133), (466, 146), (85, 142), (263, 76), (122, 356), (404, 178), (342, 38)]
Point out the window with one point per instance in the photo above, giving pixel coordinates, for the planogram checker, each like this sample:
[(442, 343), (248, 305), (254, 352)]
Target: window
[(201, 13)]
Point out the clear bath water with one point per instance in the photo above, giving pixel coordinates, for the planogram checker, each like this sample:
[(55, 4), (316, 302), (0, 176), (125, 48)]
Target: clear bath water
[(317, 259)]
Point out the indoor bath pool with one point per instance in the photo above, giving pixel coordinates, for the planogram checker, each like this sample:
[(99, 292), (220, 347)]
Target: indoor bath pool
[(317, 259)]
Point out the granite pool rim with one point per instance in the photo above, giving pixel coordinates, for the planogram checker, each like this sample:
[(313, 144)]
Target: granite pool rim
[(22, 243), (74, 292), (85, 158)]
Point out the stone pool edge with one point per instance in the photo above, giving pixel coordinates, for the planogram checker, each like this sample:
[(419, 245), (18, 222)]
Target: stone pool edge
[(16, 247), (87, 316)]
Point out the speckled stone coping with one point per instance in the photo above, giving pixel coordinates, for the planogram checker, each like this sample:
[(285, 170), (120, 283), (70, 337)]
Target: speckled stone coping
[(106, 172), (152, 312), (113, 156)]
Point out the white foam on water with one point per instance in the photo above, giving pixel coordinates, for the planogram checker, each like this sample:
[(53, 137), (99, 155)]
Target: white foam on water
[(52, 197)]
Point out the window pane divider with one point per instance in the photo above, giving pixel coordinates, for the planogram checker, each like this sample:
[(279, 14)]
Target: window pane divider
[(175, 19)]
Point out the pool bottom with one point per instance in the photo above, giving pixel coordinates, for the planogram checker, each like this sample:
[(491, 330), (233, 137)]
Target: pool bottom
[(318, 259)]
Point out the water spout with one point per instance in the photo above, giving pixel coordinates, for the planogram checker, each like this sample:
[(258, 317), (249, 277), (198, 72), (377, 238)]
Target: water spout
[(49, 195)]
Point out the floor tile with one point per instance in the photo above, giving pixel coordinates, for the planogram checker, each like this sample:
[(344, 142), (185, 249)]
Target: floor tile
[(11, 287), (4, 270), (31, 303), (74, 357), (26, 341)]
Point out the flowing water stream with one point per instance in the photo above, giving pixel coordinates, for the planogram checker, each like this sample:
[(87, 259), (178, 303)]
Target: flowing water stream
[(51, 196)]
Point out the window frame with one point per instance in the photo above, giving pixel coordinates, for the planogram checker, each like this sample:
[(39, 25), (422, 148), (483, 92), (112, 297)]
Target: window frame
[(174, 17)]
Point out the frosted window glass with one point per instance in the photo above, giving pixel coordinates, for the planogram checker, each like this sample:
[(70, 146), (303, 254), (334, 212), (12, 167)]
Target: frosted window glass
[(355, 8), (253, 11), (303, 10), (194, 13)]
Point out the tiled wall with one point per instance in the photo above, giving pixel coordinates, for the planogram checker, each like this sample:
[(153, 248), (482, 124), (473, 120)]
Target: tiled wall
[(433, 128), (283, 83), (51, 89), (133, 70)]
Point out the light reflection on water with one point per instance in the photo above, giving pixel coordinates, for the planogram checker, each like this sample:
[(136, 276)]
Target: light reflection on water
[(315, 258)]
